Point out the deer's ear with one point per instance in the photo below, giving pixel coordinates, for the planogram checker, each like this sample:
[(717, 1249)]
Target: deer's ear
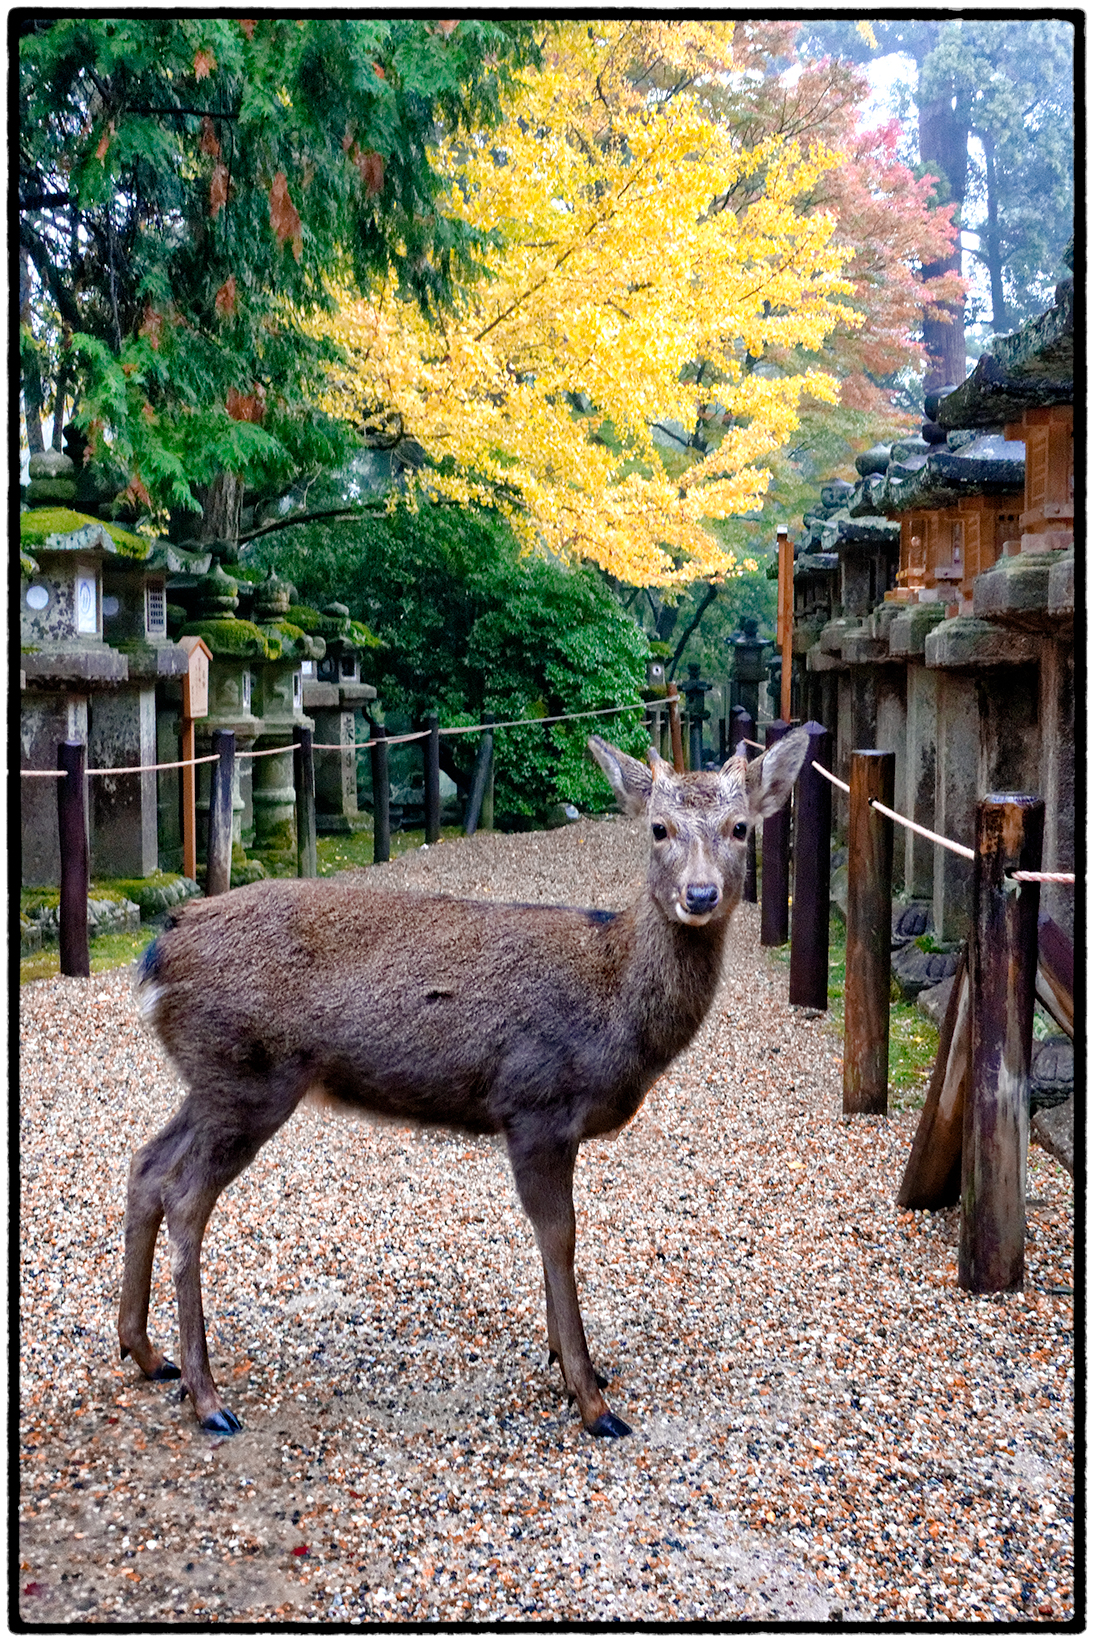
[(630, 781), (771, 777)]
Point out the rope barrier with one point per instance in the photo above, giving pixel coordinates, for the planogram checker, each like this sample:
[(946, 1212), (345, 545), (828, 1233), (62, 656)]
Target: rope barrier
[(1043, 877), (475, 729), (924, 832), (828, 776)]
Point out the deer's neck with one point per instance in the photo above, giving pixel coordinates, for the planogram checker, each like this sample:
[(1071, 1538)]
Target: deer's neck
[(674, 971)]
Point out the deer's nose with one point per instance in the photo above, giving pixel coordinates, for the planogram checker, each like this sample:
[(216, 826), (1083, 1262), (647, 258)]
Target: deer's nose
[(700, 898)]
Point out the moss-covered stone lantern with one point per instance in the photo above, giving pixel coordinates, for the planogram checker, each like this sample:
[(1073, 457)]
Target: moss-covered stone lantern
[(279, 701)]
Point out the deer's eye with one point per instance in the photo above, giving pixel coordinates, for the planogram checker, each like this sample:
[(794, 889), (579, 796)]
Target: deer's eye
[(660, 832), (741, 829)]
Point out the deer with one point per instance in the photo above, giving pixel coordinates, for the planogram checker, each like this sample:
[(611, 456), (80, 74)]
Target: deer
[(544, 1025)]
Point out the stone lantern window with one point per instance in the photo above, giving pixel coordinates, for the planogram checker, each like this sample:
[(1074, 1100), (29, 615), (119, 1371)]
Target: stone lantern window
[(155, 609), (37, 596), (248, 683), (87, 599), (297, 691)]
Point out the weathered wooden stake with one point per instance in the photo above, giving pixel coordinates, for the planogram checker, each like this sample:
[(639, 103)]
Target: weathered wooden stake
[(812, 876), (432, 753), (932, 1174), (869, 936), (1002, 970), (218, 861), (480, 776), (381, 796), (673, 699), (307, 863), (75, 866), (775, 889)]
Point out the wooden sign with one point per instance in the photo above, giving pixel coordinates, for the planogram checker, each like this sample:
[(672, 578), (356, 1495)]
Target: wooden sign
[(195, 683)]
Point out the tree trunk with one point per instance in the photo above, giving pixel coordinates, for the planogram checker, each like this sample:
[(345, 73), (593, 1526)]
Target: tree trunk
[(992, 255), (32, 376), (943, 145), (220, 520)]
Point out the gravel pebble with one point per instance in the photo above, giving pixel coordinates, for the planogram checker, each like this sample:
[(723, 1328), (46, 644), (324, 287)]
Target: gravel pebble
[(825, 1425)]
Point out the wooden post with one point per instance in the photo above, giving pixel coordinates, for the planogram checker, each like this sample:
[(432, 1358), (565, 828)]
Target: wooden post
[(775, 890), (381, 797), (218, 862), (195, 704), (812, 875), (189, 801), (1002, 972), (784, 629), (432, 753), (307, 864), (869, 936), (484, 760), (75, 865), (673, 699)]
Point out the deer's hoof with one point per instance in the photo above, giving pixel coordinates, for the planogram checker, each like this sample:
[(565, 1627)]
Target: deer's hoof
[(609, 1425), (166, 1371), (223, 1422)]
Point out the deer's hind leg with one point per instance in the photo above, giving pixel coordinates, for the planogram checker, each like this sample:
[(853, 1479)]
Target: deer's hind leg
[(178, 1176)]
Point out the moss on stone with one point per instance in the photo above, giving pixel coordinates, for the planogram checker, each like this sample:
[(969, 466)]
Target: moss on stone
[(231, 637), (38, 523)]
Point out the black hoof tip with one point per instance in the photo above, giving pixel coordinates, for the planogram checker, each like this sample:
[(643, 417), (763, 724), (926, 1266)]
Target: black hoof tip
[(552, 1357), (602, 1380), (166, 1371), (609, 1425), (223, 1423)]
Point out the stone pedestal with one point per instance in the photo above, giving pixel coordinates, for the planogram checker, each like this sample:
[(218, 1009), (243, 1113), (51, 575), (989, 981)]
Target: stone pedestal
[(46, 719), (124, 832)]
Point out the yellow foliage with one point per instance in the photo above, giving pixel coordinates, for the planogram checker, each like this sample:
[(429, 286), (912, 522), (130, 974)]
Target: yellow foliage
[(629, 275)]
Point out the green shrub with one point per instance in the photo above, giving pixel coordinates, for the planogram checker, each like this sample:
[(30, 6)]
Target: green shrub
[(468, 624)]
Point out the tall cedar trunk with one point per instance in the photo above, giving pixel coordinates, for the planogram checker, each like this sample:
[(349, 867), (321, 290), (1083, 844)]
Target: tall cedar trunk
[(220, 521), (32, 376), (943, 143), (989, 240)]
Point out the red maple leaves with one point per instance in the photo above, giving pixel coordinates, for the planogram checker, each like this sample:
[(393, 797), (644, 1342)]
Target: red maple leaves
[(284, 217)]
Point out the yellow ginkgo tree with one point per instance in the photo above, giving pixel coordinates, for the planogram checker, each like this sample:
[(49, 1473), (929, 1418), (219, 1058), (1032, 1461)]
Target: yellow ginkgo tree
[(635, 281)]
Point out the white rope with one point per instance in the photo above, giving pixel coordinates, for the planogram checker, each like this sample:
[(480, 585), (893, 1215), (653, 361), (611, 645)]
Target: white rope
[(924, 832), (1043, 877)]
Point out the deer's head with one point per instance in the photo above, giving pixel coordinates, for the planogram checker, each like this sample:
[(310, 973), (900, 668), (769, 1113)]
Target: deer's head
[(699, 823)]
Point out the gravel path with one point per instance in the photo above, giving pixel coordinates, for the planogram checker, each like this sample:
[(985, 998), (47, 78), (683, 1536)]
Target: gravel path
[(825, 1426)]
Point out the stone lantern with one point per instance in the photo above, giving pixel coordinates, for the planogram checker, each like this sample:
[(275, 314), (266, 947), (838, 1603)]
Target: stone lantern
[(334, 695), (278, 700), (695, 694), (237, 647), (749, 668)]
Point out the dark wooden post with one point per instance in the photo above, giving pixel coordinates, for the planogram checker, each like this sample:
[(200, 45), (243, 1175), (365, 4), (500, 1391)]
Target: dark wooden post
[(480, 776), (75, 865), (218, 863), (775, 889), (812, 875), (673, 699), (869, 936), (1003, 974), (307, 863), (432, 753), (742, 731), (381, 797)]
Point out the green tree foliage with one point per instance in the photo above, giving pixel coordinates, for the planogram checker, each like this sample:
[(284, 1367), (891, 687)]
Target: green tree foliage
[(184, 185), (469, 625)]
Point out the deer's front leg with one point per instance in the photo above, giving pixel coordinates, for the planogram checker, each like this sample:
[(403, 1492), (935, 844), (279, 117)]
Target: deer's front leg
[(544, 1176)]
